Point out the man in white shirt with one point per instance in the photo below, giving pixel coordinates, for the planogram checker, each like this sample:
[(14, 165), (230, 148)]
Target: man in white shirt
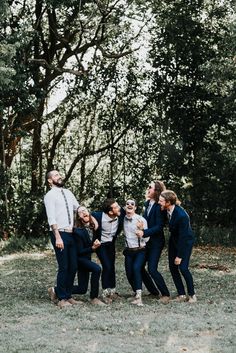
[(135, 253), (110, 221), (60, 205)]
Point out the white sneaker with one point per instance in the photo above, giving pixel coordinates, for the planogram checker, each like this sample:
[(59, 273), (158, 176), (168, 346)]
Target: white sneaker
[(137, 301), (192, 299), (114, 296)]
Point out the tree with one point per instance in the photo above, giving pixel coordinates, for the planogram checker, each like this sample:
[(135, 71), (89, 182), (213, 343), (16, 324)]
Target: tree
[(81, 96), (193, 56)]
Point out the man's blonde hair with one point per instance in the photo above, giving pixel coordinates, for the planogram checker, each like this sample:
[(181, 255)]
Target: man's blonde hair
[(171, 197)]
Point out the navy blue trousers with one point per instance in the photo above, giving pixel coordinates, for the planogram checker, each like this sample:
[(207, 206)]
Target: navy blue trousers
[(182, 269), (149, 283), (154, 250), (85, 267), (134, 262), (67, 265), (106, 254)]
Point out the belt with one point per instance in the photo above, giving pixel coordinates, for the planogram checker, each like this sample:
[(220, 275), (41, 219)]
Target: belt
[(136, 249), (67, 230)]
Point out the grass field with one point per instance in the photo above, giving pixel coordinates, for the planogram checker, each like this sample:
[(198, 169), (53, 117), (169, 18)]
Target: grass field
[(29, 322)]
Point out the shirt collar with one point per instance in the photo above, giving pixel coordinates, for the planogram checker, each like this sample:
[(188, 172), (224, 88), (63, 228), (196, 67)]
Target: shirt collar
[(170, 212), (128, 218)]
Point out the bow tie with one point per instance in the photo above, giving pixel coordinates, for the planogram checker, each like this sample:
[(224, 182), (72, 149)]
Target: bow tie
[(128, 218), (113, 220)]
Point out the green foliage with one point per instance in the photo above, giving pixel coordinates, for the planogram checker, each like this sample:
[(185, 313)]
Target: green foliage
[(215, 236), (115, 94), (16, 244)]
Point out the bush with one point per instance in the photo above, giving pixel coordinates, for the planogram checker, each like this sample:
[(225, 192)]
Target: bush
[(206, 235), (22, 244)]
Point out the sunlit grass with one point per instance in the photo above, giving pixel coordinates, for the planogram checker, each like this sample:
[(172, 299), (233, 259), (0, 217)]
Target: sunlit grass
[(30, 323)]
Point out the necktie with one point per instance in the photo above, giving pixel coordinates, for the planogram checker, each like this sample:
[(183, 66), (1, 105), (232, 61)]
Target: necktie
[(67, 206), (90, 232), (168, 216)]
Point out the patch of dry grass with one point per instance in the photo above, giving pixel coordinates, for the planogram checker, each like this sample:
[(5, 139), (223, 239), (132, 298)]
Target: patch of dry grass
[(30, 323)]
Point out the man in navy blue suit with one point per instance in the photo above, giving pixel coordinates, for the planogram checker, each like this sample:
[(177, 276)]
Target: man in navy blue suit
[(180, 245), (110, 221), (155, 220)]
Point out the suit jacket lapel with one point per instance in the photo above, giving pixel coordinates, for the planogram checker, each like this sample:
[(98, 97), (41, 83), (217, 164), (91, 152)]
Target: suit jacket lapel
[(145, 215), (173, 216), (151, 210)]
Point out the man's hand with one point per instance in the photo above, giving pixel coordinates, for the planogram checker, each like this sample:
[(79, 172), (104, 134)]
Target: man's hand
[(140, 225), (57, 235), (59, 241), (178, 260), (96, 244), (139, 233)]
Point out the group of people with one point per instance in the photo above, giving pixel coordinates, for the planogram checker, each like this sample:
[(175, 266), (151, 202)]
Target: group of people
[(74, 241)]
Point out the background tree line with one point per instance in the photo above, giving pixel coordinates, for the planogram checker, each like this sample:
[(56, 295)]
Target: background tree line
[(115, 94)]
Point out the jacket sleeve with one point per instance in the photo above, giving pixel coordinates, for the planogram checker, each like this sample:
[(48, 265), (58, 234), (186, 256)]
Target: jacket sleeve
[(158, 226), (185, 236), (121, 223), (98, 217), (82, 247)]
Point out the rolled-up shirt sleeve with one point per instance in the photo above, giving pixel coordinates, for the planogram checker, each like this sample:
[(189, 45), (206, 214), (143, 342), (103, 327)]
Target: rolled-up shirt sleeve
[(50, 206)]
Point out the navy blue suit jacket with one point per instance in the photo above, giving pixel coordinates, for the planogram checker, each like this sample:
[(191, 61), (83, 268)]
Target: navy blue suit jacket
[(155, 220), (181, 234), (98, 216), (84, 244)]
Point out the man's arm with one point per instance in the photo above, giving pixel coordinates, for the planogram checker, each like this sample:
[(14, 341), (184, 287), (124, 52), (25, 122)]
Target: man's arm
[(59, 241), (50, 210)]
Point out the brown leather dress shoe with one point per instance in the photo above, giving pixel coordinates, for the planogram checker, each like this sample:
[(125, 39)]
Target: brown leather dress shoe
[(63, 304), (74, 302), (52, 295), (96, 301), (164, 299), (180, 299)]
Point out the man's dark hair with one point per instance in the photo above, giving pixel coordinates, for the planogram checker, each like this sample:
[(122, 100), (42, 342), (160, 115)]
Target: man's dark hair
[(159, 187), (49, 174), (106, 207)]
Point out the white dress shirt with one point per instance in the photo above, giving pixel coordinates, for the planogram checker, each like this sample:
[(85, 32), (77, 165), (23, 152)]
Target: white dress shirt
[(170, 212), (130, 228), (56, 207), (109, 228), (151, 203)]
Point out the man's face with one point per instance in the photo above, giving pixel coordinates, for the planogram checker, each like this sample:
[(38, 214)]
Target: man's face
[(162, 202), (130, 207), (115, 210), (55, 179), (83, 214), (151, 191)]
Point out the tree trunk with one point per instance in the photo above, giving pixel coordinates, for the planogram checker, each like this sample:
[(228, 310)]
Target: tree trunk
[(4, 170), (36, 165)]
